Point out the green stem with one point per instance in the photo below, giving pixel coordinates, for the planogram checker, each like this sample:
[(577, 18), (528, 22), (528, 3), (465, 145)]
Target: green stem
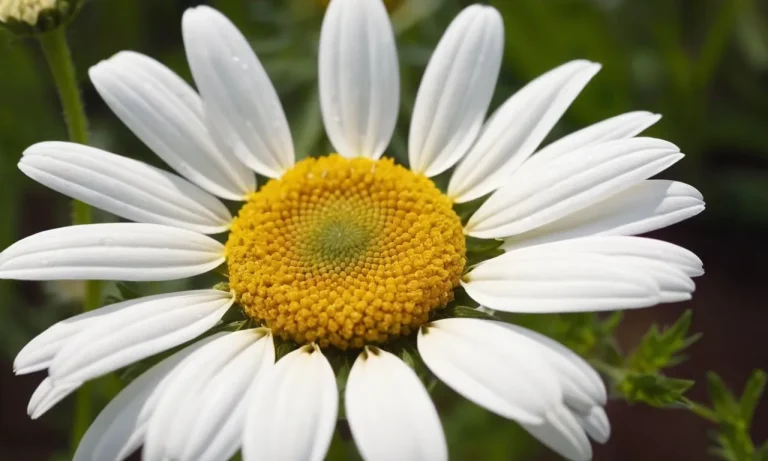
[(59, 58)]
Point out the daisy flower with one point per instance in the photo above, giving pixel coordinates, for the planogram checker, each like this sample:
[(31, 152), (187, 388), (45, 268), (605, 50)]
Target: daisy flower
[(348, 257)]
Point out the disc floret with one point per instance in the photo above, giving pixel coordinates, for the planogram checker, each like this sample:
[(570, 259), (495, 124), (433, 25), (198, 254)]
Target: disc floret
[(345, 252)]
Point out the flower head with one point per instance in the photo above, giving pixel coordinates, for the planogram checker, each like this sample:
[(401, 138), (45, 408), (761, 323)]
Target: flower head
[(35, 16), (348, 262)]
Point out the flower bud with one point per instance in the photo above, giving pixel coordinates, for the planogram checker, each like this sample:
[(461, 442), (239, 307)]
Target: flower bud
[(32, 17)]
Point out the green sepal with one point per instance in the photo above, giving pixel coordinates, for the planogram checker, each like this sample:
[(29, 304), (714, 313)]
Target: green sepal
[(460, 298), (465, 210), (479, 250), (464, 312), (222, 286), (283, 348), (474, 259), (477, 245)]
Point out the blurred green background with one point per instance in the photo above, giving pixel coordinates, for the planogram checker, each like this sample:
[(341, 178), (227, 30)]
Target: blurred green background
[(703, 64)]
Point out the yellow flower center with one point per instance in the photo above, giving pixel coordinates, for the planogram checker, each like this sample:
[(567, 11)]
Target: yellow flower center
[(345, 252)]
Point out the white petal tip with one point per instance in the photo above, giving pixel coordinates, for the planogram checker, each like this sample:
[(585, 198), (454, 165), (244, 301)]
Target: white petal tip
[(25, 370), (597, 425), (675, 297)]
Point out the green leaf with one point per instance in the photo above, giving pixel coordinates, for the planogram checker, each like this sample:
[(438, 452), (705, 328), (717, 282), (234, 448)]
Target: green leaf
[(723, 401), (610, 324), (659, 349), (654, 389), (753, 390), (579, 331), (734, 417)]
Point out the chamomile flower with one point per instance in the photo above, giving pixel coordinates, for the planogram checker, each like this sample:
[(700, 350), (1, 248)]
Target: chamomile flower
[(347, 256)]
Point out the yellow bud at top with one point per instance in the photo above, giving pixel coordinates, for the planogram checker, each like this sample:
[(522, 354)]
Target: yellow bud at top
[(36, 17), (26, 11)]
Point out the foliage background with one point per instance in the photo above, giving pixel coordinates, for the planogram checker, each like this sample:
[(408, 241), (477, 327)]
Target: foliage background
[(703, 64)]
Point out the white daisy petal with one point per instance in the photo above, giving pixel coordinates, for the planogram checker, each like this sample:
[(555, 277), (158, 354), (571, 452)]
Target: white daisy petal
[(582, 386), (562, 433), (206, 396), (543, 281), (573, 182), (115, 251), (49, 394), (293, 409), (39, 352), (596, 424), (124, 187), (642, 208), (624, 246), (240, 100), (492, 367), (167, 115), (456, 90), (517, 128), (358, 77), (119, 429), (674, 285), (669, 265), (148, 326), (390, 413), (622, 126)]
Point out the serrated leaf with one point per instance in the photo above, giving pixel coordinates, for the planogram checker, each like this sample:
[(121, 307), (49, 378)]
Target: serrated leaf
[(654, 389), (660, 349)]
